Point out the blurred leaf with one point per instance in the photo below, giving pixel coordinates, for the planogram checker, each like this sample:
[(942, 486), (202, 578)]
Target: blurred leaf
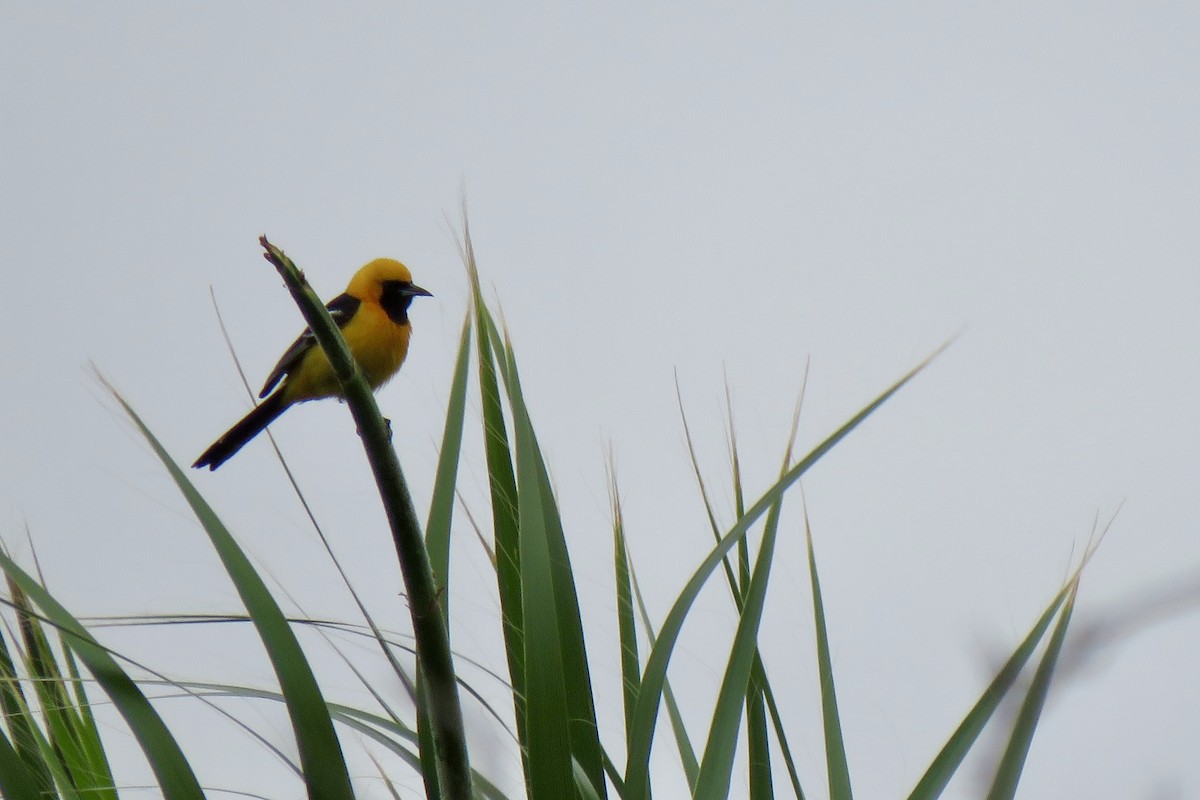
[(1008, 773), (951, 756)]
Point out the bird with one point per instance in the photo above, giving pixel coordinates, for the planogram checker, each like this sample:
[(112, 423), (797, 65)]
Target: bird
[(373, 317)]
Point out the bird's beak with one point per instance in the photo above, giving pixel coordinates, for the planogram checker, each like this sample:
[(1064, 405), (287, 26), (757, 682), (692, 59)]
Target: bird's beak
[(412, 290)]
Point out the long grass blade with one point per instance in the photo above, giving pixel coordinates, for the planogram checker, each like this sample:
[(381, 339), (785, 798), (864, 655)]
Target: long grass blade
[(58, 712), (631, 668), (16, 779), (730, 577), (951, 756), (441, 505), (390, 736), (22, 767), (66, 748), (324, 766), (502, 484), (547, 532), (716, 768), (781, 737), (437, 539), (758, 747), (645, 717), (99, 783), (739, 495), (171, 768), (683, 743), (555, 653), (427, 745), (739, 685), (547, 733), (1008, 772), (583, 785), (835, 749)]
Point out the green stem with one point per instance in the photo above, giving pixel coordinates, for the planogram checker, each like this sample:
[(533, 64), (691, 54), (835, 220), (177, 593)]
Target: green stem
[(429, 629)]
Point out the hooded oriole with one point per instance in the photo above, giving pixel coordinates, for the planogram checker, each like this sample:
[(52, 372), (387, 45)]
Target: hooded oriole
[(373, 317)]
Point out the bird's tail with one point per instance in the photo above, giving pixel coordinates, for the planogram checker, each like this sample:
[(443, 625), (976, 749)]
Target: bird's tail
[(236, 437)]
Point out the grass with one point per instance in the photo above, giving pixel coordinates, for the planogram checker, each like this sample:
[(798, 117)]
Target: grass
[(50, 745)]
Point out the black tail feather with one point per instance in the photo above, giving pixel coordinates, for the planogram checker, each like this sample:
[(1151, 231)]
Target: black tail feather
[(236, 437)]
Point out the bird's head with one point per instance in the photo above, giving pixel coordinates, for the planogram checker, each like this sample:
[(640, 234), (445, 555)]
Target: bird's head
[(388, 282)]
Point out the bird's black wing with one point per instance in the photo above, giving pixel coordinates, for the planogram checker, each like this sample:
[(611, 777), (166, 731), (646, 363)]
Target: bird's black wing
[(341, 308)]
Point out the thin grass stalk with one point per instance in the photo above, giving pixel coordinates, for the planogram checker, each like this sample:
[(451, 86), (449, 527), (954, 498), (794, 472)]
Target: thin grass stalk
[(759, 677), (738, 686), (739, 496), (683, 743), (198, 691), (730, 577), (717, 765), (780, 735)]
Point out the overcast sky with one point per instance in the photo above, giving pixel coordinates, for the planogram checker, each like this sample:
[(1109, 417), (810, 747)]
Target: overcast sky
[(684, 189)]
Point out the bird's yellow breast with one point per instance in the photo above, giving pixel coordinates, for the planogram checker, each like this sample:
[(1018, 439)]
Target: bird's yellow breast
[(377, 343)]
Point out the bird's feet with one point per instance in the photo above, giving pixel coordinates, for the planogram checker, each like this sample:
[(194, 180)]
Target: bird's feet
[(387, 423)]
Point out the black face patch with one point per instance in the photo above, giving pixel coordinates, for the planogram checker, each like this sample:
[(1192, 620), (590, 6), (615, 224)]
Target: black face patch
[(395, 299)]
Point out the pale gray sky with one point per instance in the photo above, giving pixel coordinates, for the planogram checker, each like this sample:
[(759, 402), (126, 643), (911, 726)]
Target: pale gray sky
[(684, 188)]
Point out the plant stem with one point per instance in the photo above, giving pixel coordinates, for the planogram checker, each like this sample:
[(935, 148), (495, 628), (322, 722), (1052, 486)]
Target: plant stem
[(429, 629)]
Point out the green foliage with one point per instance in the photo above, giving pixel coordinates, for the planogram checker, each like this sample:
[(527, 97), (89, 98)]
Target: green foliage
[(67, 756), (56, 750)]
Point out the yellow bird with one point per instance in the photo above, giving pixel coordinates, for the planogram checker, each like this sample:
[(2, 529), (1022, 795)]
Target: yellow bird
[(373, 317)]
